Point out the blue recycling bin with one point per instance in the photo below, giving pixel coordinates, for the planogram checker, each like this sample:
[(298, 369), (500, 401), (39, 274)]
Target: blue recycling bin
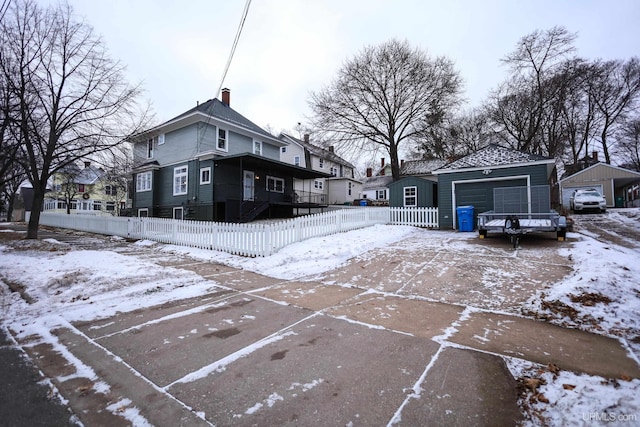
[(363, 202), (465, 218)]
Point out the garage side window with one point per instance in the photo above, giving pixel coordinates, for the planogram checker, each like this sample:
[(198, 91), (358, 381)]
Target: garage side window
[(410, 196)]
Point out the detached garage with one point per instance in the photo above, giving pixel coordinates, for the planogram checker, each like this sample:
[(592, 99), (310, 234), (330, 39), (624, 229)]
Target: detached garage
[(470, 181), (613, 182)]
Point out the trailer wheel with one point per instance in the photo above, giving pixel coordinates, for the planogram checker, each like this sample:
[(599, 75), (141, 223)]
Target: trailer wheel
[(562, 234)]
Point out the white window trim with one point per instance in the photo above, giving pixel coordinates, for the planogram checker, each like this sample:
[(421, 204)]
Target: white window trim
[(161, 139), (178, 209), (321, 163), (318, 184), (226, 140), (143, 185), (283, 149), (296, 160), (202, 170), (151, 143), (384, 194), (178, 175), (145, 210), (413, 196), (275, 180), (259, 143)]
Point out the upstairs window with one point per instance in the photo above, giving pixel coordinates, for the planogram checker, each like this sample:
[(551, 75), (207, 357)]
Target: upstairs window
[(151, 142), (222, 139), (321, 163), (180, 180), (110, 190), (349, 188), (257, 147), (334, 171), (283, 149), (296, 160)]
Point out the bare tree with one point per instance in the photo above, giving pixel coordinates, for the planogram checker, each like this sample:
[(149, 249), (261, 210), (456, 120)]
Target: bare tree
[(383, 97), (529, 99), (74, 100), (629, 142), (615, 88)]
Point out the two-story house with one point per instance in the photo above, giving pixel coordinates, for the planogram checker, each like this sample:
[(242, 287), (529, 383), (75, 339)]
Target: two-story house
[(375, 187), (211, 163), (87, 190), (340, 188)]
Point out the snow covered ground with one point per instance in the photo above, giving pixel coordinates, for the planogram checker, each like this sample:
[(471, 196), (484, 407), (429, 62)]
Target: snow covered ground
[(602, 295)]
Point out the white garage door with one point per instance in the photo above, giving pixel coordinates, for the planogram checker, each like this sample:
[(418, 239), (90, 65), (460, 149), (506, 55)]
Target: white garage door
[(568, 191)]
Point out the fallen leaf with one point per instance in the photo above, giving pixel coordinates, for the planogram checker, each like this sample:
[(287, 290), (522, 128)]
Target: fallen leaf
[(626, 378), (568, 386), (541, 398), (553, 368)]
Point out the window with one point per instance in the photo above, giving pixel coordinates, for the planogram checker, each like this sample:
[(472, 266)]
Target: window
[(180, 180), (257, 147), (150, 144), (110, 190), (275, 184), (80, 188), (178, 213), (161, 139), (283, 149), (143, 181), (410, 196), (296, 160), (97, 205), (318, 184), (205, 176), (349, 188), (143, 213), (222, 139), (321, 163), (381, 194), (111, 206), (334, 171)]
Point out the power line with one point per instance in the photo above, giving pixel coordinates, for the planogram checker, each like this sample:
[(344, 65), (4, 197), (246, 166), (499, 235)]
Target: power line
[(245, 12)]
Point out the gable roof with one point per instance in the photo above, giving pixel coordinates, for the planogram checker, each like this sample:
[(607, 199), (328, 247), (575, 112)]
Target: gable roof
[(317, 151), (421, 167), (379, 181), (87, 175), (493, 156), (615, 172)]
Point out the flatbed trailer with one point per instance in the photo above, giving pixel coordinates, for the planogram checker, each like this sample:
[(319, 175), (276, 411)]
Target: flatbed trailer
[(522, 210), (517, 224)]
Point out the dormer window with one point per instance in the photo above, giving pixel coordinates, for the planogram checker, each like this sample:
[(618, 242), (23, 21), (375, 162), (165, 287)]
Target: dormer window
[(222, 139)]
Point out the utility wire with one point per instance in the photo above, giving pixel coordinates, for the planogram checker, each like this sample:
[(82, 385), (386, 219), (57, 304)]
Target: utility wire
[(245, 12)]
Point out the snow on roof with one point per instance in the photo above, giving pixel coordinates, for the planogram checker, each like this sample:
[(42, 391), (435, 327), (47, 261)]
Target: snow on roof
[(377, 182), (492, 156), (317, 151), (421, 167)]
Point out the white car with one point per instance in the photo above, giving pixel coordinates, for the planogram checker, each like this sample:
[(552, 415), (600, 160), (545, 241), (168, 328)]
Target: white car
[(588, 199)]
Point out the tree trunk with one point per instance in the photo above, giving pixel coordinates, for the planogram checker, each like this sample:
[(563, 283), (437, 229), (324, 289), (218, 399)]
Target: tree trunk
[(12, 200), (36, 208)]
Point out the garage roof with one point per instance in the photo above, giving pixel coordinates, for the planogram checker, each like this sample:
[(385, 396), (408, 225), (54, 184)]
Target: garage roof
[(493, 156)]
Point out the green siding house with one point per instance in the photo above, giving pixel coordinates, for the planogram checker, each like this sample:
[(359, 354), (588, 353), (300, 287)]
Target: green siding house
[(412, 191), (470, 181)]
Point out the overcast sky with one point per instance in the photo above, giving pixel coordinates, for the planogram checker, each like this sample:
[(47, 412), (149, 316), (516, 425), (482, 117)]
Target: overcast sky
[(178, 49)]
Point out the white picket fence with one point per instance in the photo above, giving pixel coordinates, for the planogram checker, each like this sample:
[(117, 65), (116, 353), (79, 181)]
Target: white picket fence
[(253, 239)]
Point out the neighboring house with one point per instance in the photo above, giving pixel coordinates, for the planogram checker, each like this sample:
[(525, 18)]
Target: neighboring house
[(375, 188), (619, 186), (340, 188), (213, 164), (85, 190), (418, 185), (470, 181)]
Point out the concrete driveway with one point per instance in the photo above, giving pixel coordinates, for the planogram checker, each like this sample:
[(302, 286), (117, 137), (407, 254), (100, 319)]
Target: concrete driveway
[(383, 340)]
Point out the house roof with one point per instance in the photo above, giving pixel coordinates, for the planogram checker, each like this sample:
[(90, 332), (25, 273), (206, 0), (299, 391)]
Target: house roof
[(87, 175), (252, 160), (379, 181), (617, 173), (218, 110), (421, 167), (493, 156), (317, 151)]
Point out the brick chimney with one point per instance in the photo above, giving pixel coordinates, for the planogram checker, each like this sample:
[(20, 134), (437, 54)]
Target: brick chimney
[(87, 164), (226, 97), (594, 156), (306, 138), (369, 172), (331, 149), (382, 162)]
